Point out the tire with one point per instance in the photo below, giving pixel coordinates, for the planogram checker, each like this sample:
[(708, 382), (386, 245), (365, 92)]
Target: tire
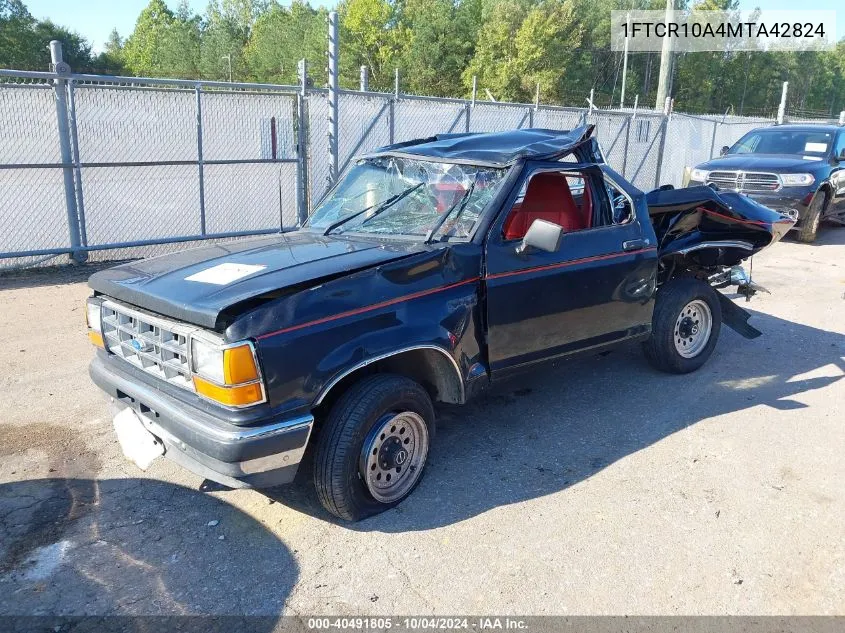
[(678, 343), (810, 222), (363, 417)]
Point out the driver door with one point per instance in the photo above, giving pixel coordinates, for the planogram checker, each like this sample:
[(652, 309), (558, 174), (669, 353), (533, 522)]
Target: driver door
[(596, 288)]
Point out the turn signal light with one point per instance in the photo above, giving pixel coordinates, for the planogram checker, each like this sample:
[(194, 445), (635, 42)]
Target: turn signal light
[(239, 365), (96, 338), (92, 319), (239, 396)]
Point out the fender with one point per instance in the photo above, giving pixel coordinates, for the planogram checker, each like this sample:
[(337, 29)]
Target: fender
[(309, 341), (827, 189), (369, 361)]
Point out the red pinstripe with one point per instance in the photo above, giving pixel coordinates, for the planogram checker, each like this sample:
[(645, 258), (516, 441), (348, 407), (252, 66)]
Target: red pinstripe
[(375, 306), (755, 222), (572, 262)]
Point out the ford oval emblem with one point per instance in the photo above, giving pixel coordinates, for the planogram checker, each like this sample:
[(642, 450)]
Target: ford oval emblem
[(141, 346)]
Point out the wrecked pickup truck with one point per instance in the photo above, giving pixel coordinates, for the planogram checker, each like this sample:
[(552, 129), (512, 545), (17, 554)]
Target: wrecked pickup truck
[(433, 269)]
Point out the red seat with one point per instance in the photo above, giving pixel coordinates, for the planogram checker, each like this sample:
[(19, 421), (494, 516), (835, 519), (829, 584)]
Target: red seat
[(549, 198)]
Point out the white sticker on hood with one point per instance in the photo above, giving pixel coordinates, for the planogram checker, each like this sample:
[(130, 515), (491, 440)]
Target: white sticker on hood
[(223, 274)]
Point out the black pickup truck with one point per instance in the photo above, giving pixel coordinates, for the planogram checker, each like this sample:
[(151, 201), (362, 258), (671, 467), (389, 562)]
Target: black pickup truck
[(797, 170), (433, 269)]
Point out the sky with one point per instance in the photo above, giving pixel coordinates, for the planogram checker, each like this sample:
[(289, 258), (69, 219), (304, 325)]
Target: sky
[(94, 19)]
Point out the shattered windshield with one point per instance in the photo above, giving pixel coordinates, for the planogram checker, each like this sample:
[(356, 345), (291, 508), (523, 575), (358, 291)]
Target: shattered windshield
[(779, 141), (402, 196)]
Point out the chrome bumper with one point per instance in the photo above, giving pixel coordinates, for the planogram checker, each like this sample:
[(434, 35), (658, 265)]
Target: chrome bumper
[(261, 455)]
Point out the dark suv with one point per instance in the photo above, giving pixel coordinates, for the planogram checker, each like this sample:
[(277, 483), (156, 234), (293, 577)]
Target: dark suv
[(797, 170)]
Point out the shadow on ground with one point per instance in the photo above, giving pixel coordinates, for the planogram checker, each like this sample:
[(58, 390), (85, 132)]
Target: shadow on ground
[(561, 424), (135, 547)]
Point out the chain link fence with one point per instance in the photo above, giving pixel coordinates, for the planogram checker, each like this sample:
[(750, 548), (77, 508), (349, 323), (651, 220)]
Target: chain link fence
[(120, 167), (691, 140), (107, 165)]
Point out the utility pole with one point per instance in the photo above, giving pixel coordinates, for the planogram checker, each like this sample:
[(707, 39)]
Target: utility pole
[(665, 61), (782, 105)]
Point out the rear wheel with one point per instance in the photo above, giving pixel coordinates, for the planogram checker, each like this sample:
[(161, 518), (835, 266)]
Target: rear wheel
[(373, 449), (810, 222), (685, 325)]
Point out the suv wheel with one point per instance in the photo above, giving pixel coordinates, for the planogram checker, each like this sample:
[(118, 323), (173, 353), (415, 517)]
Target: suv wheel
[(810, 222), (373, 449), (685, 326)]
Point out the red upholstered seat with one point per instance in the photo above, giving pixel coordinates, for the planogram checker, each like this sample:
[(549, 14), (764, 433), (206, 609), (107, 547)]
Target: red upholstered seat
[(549, 198)]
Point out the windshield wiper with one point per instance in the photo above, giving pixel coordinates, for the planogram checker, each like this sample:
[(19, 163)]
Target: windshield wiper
[(462, 203), (379, 208)]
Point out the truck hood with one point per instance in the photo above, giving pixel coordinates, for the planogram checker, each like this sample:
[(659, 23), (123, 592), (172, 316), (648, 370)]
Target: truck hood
[(198, 285), (762, 162)]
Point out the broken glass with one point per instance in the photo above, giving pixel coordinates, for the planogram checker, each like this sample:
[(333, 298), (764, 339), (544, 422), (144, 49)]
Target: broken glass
[(403, 196)]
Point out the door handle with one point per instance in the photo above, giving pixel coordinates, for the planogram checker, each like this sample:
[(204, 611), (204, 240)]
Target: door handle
[(633, 245)]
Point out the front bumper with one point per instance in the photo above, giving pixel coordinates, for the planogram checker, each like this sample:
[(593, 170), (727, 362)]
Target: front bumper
[(264, 454)]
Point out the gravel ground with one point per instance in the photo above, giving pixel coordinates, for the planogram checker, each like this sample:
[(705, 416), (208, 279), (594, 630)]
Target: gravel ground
[(597, 486)]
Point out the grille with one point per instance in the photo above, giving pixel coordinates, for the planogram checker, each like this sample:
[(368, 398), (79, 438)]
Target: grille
[(157, 346), (746, 181)]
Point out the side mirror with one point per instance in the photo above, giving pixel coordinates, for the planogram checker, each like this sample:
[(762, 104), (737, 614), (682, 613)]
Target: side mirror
[(724, 150), (542, 235), (842, 154)]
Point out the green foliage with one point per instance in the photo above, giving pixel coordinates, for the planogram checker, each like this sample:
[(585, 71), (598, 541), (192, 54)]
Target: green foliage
[(370, 35), (510, 46), (281, 37), (142, 51), (440, 43)]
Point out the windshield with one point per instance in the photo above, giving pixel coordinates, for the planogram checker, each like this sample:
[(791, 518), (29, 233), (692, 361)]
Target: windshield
[(774, 141), (402, 196)]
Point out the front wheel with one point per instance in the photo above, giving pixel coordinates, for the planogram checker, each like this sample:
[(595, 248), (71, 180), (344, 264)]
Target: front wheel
[(374, 446), (685, 325)]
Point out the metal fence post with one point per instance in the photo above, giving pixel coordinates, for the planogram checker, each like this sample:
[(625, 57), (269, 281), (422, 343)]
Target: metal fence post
[(301, 146), (628, 121), (200, 164), (467, 110), (842, 118), (77, 167), (333, 97), (365, 78), (713, 139), (60, 91), (665, 131), (391, 121)]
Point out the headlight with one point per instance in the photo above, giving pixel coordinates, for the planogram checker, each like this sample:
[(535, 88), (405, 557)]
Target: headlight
[(797, 180), (92, 318), (207, 360), (227, 374), (699, 175)]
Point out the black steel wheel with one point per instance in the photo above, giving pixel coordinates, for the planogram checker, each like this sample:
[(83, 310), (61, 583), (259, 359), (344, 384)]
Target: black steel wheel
[(685, 325)]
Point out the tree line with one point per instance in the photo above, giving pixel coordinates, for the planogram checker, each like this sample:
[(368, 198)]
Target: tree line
[(509, 46)]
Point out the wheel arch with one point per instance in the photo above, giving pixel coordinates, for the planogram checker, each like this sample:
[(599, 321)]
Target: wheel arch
[(826, 189), (430, 365)]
